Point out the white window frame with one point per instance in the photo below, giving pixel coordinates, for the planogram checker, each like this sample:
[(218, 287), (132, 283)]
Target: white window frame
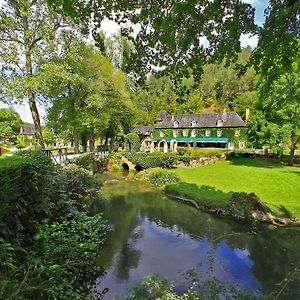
[(242, 144), (176, 124), (220, 123), (237, 132), (185, 132), (175, 133), (194, 123), (219, 133), (207, 132), (193, 133), (161, 134)]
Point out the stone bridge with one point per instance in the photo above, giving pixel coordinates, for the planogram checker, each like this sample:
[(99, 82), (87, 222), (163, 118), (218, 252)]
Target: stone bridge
[(128, 165)]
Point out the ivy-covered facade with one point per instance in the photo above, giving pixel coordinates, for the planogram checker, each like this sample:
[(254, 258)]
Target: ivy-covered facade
[(217, 130)]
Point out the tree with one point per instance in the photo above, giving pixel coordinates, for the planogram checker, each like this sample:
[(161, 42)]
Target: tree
[(10, 122), (27, 34), (87, 94), (175, 35), (282, 106)]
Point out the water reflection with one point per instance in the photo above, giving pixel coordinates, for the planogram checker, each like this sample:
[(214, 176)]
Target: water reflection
[(156, 235)]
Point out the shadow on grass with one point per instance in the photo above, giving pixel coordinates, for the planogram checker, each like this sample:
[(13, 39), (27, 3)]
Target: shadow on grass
[(254, 162), (201, 193), (283, 212)]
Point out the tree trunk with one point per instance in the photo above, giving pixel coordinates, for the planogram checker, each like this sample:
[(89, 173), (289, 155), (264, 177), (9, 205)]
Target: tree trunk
[(92, 143), (29, 92), (76, 141), (292, 153), (36, 120)]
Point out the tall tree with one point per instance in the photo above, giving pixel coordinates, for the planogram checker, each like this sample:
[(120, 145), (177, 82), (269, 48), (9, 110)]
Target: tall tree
[(27, 33), (87, 93)]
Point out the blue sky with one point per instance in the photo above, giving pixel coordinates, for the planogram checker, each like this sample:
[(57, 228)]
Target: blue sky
[(110, 27)]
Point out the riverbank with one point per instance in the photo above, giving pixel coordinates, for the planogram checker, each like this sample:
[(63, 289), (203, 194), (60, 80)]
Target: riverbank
[(240, 206), (276, 185)]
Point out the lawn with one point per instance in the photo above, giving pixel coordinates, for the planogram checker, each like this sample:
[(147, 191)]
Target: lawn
[(276, 185)]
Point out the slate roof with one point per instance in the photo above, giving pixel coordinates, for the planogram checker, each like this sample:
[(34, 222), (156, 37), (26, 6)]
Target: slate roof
[(145, 130), (207, 120)]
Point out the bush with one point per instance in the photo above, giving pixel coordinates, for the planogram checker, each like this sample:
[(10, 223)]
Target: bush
[(152, 160), (45, 229), (182, 150), (202, 152), (161, 177), (24, 180)]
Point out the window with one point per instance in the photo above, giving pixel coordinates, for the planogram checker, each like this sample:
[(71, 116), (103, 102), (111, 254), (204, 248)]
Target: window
[(237, 133), (241, 144), (220, 123), (219, 133), (175, 133), (161, 134), (230, 145), (194, 123), (176, 124), (193, 133), (185, 132), (207, 132)]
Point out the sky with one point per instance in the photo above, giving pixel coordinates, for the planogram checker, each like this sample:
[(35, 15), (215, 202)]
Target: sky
[(110, 27)]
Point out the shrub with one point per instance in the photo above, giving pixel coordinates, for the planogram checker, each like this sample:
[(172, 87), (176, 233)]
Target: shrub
[(202, 152), (152, 160), (182, 150), (161, 177), (24, 180)]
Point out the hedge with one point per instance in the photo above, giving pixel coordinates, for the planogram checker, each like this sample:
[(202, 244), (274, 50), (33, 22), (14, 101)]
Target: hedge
[(152, 160)]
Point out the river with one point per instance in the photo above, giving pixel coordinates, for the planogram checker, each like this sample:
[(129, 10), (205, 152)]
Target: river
[(153, 234)]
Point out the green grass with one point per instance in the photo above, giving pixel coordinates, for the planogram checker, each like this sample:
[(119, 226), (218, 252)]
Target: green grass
[(277, 186)]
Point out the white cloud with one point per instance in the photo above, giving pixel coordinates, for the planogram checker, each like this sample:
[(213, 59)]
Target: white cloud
[(248, 40)]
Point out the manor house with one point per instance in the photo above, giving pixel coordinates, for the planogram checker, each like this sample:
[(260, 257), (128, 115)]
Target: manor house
[(207, 130)]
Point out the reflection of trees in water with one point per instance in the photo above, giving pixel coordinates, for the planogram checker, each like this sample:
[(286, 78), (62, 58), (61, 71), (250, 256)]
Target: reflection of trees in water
[(271, 262), (128, 257)]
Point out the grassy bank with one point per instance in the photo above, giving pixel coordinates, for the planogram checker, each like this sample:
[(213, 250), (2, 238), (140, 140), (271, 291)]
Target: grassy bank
[(277, 186)]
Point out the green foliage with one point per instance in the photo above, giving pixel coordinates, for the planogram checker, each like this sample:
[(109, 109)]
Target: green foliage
[(10, 122), (152, 160), (155, 287), (50, 240), (182, 150), (203, 152), (22, 141), (132, 142), (94, 164), (160, 177), (49, 137)]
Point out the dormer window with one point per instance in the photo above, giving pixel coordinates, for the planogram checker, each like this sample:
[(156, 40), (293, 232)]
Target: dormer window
[(176, 124), (219, 123), (194, 123)]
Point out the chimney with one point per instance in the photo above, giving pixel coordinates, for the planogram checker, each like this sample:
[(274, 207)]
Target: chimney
[(247, 114)]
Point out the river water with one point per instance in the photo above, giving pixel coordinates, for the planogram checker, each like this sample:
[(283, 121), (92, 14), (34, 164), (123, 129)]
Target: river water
[(153, 234)]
